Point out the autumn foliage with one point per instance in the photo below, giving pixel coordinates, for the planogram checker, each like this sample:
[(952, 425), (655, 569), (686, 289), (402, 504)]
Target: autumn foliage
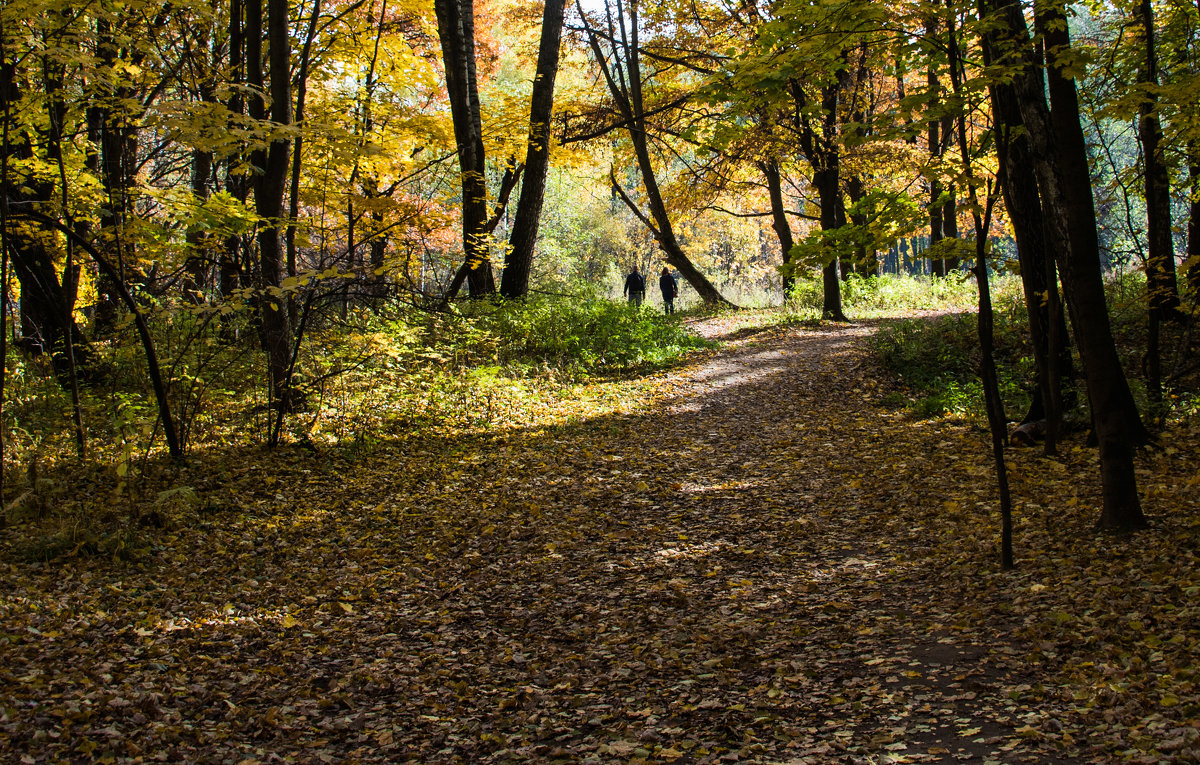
[(326, 434)]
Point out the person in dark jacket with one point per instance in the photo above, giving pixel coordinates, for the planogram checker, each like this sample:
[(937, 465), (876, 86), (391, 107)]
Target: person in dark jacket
[(669, 288), (635, 287)]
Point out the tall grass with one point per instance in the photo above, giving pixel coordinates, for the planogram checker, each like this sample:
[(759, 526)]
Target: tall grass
[(889, 294), (588, 334)]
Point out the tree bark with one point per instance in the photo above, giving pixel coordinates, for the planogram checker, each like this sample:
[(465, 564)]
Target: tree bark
[(519, 260), (1161, 283), (866, 262), (827, 181), (822, 152), (456, 31), (46, 303), (1193, 243), (231, 258), (934, 146), (297, 158), (981, 215), (269, 185), (1039, 277), (779, 221), (118, 162), (1060, 161)]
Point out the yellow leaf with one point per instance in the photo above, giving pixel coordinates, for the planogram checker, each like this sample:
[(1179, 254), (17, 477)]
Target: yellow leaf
[(289, 622)]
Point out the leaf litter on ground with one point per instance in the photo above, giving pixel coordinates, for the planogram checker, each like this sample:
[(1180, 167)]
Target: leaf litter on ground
[(744, 559)]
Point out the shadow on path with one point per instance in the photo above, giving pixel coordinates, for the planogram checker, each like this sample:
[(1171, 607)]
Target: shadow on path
[(746, 570)]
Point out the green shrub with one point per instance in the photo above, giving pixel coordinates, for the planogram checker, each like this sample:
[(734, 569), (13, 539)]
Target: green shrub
[(887, 294), (938, 360), (588, 333)]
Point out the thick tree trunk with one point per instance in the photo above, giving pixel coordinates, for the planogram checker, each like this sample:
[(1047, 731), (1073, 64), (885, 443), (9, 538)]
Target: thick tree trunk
[(1058, 149), (1039, 277), (519, 261), (833, 216), (821, 149), (118, 160), (46, 303), (456, 31)]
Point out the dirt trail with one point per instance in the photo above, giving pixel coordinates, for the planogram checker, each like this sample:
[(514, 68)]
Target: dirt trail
[(745, 570)]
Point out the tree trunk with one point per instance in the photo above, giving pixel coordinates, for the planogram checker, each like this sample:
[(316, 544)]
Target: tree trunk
[(269, 186), (519, 261), (934, 146), (456, 31), (1047, 325), (236, 185), (118, 162), (981, 215), (1060, 161), (1193, 242), (199, 240), (833, 216), (1161, 284), (866, 262), (779, 221), (821, 150), (625, 85), (289, 236), (46, 303)]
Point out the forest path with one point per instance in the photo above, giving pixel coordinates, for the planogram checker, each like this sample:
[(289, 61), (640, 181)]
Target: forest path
[(748, 566)]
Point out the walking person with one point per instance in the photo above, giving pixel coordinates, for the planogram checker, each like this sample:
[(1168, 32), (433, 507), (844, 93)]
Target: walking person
[(669, 288), (635, 287)]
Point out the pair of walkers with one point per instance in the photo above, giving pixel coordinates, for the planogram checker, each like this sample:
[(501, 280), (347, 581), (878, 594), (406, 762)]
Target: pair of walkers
[(635, 288)]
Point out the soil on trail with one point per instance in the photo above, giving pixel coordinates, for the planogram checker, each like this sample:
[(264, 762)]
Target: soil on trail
[(741, 569)]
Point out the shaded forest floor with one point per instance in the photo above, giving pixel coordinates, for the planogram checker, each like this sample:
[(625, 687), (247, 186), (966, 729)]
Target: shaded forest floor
[(745, 559)]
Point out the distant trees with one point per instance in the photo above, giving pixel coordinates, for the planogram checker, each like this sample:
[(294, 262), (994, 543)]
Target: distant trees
[(617, 51)]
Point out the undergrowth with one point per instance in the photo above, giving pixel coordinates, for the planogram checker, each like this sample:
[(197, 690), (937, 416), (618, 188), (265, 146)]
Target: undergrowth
[(863, 298), (889, 294), (937, 359), (590, 335), (366, 377)]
